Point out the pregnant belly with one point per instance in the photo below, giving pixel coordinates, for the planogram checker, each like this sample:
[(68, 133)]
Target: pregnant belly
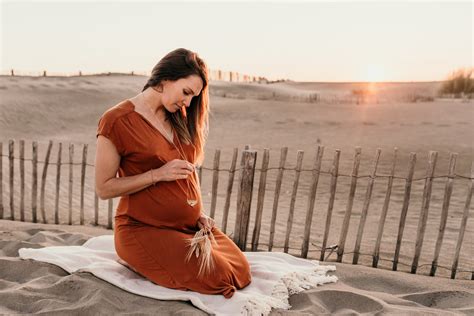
[(166, 206)]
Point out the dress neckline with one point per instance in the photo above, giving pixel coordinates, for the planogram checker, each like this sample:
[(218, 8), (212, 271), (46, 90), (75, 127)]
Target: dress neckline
[(171, 142)]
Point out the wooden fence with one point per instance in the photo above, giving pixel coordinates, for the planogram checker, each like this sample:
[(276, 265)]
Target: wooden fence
[(245, 189)]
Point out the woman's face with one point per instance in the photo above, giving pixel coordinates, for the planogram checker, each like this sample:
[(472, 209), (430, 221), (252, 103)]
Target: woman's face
[(177, 94)]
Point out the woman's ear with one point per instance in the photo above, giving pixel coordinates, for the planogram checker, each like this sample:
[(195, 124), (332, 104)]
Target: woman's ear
[(158, 88)]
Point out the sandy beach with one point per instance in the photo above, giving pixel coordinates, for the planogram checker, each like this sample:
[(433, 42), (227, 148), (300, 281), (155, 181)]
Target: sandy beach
[(264, 116), (28, 287)]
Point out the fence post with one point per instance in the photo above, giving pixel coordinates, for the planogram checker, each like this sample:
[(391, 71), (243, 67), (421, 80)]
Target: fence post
[(58, 179), (311, 200), (462, 229), (22, 180), (444, 212), (34, 187), (425, 205), (291, 212), (215, 181), (96, 208), (347, 215), (403, 215), (71, 177), (281, 168), (10, 159), (365, 208), (83, 180), (110, 213), (200, 175), (334, 176), (230, 184), (244, 199), (43, 181), (260, 200), (383, 216)]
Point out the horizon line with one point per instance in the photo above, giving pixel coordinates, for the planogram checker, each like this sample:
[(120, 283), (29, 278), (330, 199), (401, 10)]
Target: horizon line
[(111, 73)]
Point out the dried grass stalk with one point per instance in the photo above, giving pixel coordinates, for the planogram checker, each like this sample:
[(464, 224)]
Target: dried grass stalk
[(201, 246)]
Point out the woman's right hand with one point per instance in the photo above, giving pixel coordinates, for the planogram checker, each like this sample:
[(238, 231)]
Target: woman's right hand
[(173, 170)]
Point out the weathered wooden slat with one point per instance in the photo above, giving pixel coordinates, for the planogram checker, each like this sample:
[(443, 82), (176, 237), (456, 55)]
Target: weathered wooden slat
[(244, 199), (260, 200), (96, 209), (230, 184), (350, 201), (43, 181), (83, 181), (200, 174), (71, 162), (444, 211), (383, 215), (238, 215), (215, 181), (34, 186), (110, 213), (424, 209), (289, 223), (1, 182), (311, 200), (365, 208), (283, 154), (22, 180), (11, 147), (462, 228), (403, 215), (58, 184), (334, 176)]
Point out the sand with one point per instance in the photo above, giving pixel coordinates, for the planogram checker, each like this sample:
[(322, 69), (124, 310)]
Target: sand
[(27, 286), (267, 116)]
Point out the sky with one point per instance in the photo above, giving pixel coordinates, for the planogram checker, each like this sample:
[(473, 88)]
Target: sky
[(337, 41)]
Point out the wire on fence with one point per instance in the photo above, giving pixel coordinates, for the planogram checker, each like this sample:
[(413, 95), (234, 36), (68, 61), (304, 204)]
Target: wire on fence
[(278, 168), (368, 255)]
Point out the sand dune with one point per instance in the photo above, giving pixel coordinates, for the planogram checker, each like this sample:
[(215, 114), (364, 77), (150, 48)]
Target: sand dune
[(27, 286)]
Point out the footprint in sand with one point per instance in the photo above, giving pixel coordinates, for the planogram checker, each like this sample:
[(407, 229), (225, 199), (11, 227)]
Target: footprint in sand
[(458, 300)]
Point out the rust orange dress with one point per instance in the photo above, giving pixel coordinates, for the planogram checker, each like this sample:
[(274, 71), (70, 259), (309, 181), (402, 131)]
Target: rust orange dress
[(152, 225)]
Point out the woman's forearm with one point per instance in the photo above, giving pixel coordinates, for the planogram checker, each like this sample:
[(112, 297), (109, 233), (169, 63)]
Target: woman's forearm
[(127, 185)]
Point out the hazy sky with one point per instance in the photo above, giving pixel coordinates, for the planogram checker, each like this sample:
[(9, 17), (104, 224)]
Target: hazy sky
[(303, 41)]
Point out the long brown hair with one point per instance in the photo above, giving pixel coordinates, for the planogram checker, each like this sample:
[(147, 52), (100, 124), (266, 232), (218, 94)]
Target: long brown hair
[(192, 123)]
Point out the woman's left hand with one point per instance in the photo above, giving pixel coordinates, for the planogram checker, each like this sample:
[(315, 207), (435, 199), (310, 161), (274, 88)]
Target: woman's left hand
[(205, 221)]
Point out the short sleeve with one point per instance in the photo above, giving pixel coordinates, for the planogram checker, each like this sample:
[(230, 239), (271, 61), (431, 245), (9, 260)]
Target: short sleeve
[(110, 127)]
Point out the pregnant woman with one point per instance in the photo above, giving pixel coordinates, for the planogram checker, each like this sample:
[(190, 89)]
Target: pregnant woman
[(153, 141)]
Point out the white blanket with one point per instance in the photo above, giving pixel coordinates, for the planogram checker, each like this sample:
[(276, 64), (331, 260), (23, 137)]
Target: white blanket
[(275, 276)]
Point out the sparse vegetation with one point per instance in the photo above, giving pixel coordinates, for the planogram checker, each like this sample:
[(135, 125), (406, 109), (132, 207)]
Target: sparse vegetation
[(459, 84), (361, 95)]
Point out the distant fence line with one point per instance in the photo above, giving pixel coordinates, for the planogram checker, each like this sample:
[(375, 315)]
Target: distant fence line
[(244, 198), (214, 74)]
